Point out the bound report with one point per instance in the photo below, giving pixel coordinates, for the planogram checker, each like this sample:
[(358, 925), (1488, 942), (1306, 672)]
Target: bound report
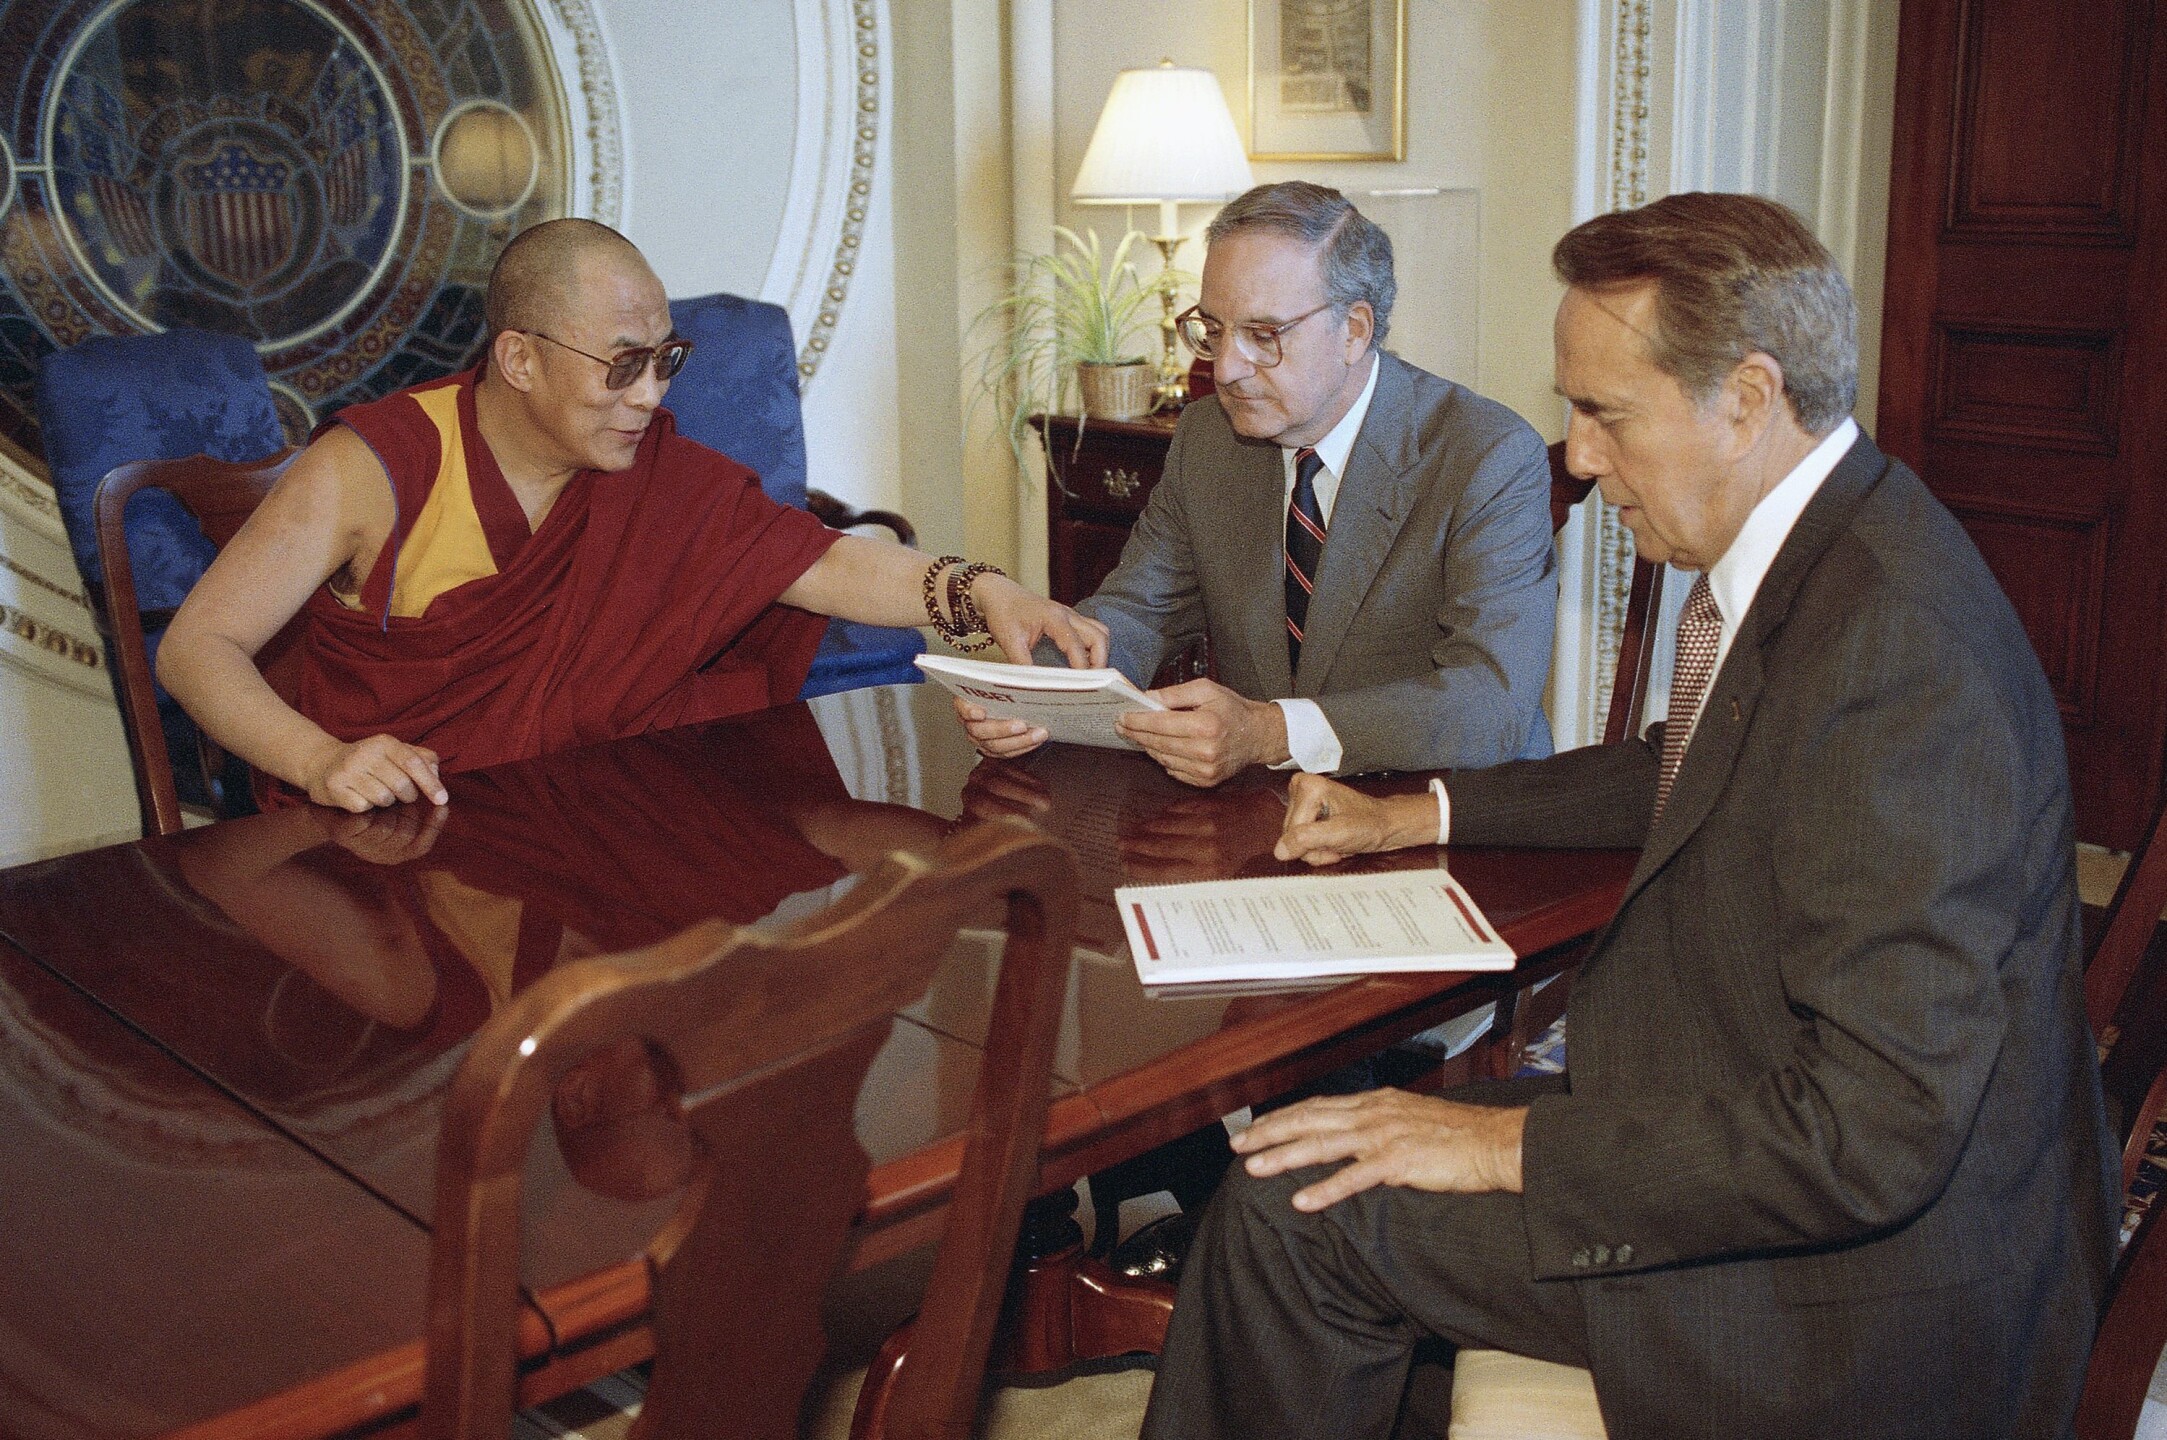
[(1292, 926), (1078, 706)]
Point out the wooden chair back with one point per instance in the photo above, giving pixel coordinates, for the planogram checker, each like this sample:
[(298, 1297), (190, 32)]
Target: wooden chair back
[(221, 495), (757, 1044), (2132, 1334), (1636, 648), (2133, 1324), (2125, 995), (2133, 916)]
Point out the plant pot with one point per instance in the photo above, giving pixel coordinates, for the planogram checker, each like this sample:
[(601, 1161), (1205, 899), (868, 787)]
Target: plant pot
[(1116, 392)]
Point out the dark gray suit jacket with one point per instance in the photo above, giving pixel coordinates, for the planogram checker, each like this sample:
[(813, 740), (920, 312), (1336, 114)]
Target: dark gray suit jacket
[(1429, 634), (1831, 1159)]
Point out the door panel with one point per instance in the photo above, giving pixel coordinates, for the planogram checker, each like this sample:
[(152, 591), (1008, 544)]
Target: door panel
[(2022, 340)]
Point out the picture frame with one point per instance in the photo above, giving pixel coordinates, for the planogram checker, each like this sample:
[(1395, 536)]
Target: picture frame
[(1327, 79)]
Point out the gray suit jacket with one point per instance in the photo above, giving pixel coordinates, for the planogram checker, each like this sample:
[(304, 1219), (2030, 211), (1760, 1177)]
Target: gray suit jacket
[(1831, 1157), (1429, 634)]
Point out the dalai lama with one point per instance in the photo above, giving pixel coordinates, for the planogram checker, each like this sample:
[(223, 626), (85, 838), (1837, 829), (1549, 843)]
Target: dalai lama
[(527, 556)]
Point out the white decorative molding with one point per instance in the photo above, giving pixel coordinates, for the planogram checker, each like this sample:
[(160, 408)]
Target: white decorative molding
[(1629, 74), (1595, 570), (1630, 69), (47, 633), (842, 106), (597, 151), (27, 497), (872, 739)]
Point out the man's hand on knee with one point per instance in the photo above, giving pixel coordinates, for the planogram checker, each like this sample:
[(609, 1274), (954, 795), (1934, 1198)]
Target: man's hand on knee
[(1390, 1138)]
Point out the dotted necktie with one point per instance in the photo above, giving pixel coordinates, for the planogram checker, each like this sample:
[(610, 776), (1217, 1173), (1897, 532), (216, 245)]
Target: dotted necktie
[(1305, 547), (1700, 625)]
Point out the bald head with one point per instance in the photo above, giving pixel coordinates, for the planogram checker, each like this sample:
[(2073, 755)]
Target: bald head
[(537, 277)]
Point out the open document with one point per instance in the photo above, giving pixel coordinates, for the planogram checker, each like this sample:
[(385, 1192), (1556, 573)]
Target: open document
[(1078, 706), (1292, 926)]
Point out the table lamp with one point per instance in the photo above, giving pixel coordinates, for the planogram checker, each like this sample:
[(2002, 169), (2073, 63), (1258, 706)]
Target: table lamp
[(1165, 135)]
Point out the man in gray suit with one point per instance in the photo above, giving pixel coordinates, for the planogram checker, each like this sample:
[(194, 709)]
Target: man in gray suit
[(1829, 1158), (1366, 545)]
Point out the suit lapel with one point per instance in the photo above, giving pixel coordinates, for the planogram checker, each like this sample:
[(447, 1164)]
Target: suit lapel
[(1737, 687), (1255, 519), (1372, 504)]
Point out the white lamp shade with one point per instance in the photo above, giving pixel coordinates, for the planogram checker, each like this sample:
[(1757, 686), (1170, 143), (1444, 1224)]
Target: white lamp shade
[(1165, 134)]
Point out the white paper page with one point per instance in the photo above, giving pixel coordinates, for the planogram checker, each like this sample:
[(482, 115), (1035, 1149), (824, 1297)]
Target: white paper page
[(1307, 925), (1078, 716)]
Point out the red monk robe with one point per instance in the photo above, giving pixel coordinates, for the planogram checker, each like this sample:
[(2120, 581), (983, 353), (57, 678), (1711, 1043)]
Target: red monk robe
[(646, 599)]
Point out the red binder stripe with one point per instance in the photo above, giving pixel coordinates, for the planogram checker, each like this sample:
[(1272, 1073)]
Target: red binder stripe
[(1468, 915), (1143, 928)]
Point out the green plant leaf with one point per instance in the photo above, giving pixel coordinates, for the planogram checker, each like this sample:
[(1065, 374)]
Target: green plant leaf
[(1077, 305)]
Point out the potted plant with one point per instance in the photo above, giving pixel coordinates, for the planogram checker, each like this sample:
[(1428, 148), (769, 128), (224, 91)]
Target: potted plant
[(1073, 322)]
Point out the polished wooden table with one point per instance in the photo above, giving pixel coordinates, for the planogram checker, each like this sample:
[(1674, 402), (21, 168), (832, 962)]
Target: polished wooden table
[(219, 1091)]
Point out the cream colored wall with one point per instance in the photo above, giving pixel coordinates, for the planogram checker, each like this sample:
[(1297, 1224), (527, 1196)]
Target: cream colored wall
[(1527, 179), (1489, 110), (65, 782), (1492, 91), (707, 160), (952, 231)]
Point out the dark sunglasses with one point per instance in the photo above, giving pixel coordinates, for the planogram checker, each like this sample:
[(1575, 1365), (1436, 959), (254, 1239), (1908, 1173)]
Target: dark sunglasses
[(625, 366)]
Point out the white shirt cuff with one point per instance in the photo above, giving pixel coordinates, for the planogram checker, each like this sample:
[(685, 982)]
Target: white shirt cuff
[(1311, 743), (1444, 811)]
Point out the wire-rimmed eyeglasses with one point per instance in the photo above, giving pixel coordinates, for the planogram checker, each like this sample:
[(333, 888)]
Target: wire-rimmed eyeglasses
[(1204, 336)]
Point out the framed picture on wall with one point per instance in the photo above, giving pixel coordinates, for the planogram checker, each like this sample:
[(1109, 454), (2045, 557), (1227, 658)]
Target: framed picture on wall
[(1327, 79)]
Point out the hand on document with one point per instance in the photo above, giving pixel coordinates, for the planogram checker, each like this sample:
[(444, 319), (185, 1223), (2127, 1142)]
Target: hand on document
[(1019, 619), (1000, 739), (1328, 821), (1207, 733), (1389, 1137)]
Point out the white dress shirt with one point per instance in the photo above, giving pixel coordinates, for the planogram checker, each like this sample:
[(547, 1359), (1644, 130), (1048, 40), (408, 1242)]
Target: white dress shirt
[(1312, 744), (1736, 576)]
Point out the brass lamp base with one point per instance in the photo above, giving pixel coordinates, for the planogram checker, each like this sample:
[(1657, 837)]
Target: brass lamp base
[(1172, 390)]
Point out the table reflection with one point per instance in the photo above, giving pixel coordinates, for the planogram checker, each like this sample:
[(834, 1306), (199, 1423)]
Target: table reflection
[(326, 970)]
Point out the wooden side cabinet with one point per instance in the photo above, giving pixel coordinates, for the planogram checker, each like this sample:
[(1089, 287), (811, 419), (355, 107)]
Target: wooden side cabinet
[(1096, 485)]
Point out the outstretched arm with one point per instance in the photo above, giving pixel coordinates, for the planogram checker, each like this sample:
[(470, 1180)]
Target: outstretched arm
[(331, 511), (878, 582)]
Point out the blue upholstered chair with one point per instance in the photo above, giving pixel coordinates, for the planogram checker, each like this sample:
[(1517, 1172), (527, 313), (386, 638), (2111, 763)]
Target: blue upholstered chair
[(115, 399), (739, 394)]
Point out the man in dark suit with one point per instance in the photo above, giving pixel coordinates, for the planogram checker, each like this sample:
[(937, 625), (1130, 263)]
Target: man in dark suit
[(1366, 545), (1829, 1158)]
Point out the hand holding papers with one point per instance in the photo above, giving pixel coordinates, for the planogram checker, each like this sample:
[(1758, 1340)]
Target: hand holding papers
[(1294, 926), (1079, 706)]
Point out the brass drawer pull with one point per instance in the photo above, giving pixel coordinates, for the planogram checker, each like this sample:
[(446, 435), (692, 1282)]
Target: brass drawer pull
[(1121, 484)]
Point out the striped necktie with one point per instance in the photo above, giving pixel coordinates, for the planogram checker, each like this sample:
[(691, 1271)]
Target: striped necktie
[(1700, 626), (1305, 548)]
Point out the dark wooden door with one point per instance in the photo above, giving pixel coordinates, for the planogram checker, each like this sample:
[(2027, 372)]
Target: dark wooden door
[(2022, 345)]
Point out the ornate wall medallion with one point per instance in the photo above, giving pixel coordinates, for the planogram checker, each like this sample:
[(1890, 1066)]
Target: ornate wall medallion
[(330, 178)]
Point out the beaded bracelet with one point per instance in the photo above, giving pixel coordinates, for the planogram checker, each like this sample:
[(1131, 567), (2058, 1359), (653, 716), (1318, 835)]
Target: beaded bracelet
[(961, 604), (963, 619), (934, 617), (969, 619)]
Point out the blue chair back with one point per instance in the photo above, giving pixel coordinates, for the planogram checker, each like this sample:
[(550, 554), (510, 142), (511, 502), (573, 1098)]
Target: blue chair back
[(150, 397), (739, 394), (739, 391), (168, 396)]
